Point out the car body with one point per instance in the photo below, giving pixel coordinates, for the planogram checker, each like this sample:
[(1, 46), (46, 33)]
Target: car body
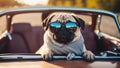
[(21, 35)]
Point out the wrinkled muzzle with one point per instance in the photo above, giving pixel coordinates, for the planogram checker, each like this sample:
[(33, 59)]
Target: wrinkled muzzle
[(63, 36)]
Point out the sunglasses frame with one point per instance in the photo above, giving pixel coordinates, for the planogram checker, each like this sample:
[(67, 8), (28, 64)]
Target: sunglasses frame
[(56, 29), (63, 24)]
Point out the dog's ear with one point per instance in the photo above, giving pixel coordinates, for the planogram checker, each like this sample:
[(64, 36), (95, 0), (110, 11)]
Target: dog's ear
[(80, 22), (46, 22)]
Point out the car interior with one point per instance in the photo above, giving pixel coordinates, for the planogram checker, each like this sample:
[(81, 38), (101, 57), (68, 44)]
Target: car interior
[(27, 38)]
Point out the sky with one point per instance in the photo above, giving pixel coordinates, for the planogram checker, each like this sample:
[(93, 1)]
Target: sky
[(33, 2)]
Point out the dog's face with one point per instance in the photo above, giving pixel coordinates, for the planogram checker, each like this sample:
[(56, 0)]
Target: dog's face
[(63, 27)]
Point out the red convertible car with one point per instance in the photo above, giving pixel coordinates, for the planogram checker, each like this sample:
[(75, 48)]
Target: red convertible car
[(21, 35)]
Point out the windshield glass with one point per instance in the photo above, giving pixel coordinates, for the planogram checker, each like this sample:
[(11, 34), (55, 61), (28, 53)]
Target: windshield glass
[(28, 32), (32, 18), (3, 24), (108, 26)]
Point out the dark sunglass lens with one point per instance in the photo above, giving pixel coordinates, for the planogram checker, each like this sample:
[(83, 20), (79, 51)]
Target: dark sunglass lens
[(71, 26), (55, 24)]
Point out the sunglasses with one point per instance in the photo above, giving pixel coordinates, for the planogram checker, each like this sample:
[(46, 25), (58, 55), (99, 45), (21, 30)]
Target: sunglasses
[(57, 26)]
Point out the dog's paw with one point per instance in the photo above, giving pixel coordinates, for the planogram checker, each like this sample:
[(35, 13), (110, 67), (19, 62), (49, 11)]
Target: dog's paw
[(89, 56), (70, 56), (47, 56)]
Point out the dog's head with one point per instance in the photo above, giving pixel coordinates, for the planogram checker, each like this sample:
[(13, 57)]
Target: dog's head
[(63, 27)]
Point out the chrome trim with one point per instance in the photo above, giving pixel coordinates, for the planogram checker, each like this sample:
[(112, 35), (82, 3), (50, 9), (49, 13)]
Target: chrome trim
[(38, 57), (57, 8)]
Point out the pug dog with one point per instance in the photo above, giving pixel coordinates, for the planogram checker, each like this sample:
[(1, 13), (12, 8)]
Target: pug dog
[(63, 36)]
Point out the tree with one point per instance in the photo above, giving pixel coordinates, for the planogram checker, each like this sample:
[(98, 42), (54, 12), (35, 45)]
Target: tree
[(112, 5), (9, 3), (117, 6)]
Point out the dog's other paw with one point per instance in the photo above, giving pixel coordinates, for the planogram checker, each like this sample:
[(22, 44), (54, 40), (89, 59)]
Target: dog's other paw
[(47, 56), (89, 56)]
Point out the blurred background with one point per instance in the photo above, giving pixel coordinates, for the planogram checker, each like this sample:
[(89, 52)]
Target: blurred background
[(110, 5)]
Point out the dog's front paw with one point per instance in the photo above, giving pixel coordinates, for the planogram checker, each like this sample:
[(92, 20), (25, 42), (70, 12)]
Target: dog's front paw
[(89, 56), (47, 55)]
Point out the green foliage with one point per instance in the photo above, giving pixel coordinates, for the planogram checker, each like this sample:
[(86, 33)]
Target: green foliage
[(112, 5), (117, 6)]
